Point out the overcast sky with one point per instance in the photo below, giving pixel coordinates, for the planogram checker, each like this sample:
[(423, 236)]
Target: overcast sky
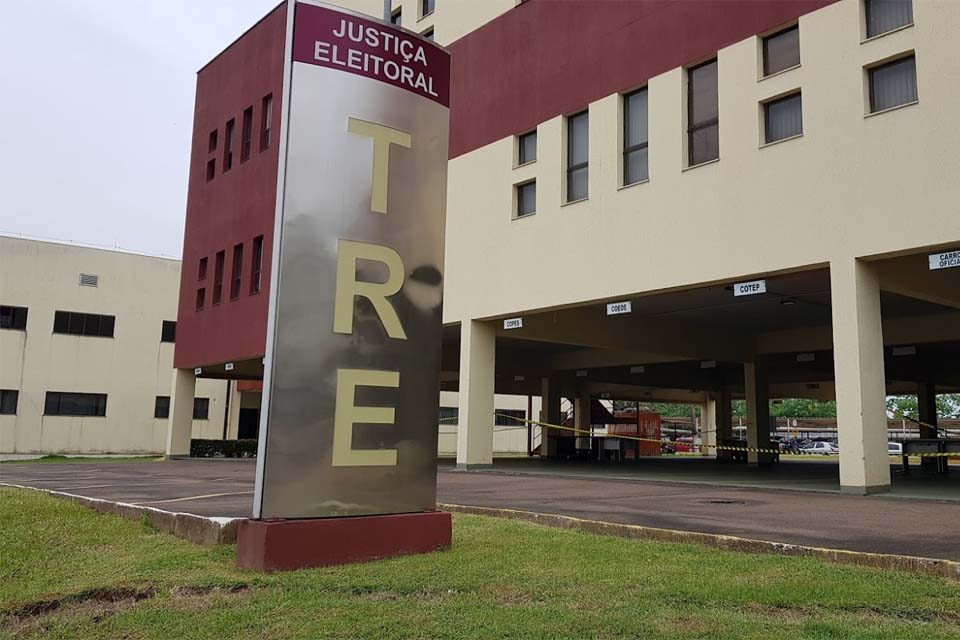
[(96, 101)]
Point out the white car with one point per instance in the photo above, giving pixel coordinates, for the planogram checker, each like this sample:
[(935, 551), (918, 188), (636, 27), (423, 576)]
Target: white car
[(824, 448), (895, 448)]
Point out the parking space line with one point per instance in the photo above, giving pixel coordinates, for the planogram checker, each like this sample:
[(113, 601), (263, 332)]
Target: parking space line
[(209, 495)]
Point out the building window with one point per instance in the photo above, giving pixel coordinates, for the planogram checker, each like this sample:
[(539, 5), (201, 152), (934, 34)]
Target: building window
[(8, 402), (237, 271), (783, 118), (13, 318), (212, 142), (59, 403), (201, 298), (202, 271), (396, 17), (427, 7), (781, 51), (168, 331), (256, 266), (428, 33), (246, 134), (219, 259), (449, 415), (893, 84), (211, 169), (228, 146), (526, 198), (527, 148), (83, 324), (703, 114), (886, 15), (201, 408), (635, 138), (266, 121), (578, 150), (161, 407)]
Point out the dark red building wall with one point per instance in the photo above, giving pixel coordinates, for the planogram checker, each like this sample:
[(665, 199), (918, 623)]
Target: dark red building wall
[(550, 57), (234, 207)]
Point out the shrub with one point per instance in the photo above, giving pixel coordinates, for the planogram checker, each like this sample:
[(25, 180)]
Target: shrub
[(223, 448)]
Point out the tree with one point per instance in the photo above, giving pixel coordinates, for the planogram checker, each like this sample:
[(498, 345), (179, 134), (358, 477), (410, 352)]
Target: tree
[(948, 406)]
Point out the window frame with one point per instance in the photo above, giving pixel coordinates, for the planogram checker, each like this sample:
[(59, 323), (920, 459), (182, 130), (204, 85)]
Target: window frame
[(236, 273), (202, 269), (201, 409), (14, 313), (627, 150), (766, 116), (885, 64), (764, 51), (692, 127), (572, 168), (518, 190), (396, 17), (165, 331), (228, 144), (246, 134), (256, 266), (56, 398), (266, 121), (5, 394), (219, 266), (201, 299), (423, 8), (522, 160), (161, 405), (866, 4), (79, 323)]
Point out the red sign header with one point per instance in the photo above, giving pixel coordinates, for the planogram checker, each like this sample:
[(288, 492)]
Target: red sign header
[(330, 38)]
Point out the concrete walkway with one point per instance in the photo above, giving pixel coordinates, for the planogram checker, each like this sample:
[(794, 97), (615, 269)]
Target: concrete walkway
[(880, 525)]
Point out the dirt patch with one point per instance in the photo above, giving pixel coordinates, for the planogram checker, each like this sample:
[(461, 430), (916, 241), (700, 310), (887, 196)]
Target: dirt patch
[(114, 595), (429, 596), (512, 597)]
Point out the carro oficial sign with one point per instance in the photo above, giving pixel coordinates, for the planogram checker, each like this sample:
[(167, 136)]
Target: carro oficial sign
[(944, 260)]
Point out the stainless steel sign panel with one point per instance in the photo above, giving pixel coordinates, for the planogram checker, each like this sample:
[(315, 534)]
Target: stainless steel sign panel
[(353, 353)]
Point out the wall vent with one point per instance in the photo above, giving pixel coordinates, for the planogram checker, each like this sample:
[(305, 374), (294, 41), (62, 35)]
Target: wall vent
[(89, 280)]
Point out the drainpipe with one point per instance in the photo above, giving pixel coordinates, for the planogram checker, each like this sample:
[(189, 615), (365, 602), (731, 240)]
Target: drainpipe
[(226, 411)]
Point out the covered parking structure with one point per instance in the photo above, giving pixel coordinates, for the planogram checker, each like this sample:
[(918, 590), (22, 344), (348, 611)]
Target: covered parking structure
[(854, 331)]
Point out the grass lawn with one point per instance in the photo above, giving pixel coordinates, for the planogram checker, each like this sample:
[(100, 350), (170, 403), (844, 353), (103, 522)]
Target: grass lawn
[(69, 572)]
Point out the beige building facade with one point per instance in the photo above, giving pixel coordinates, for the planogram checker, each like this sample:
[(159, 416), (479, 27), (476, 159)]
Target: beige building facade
[(838, 219), (86, 351)]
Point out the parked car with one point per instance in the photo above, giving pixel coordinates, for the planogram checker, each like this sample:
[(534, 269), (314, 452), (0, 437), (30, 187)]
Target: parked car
[(895, 448), (824, 448)]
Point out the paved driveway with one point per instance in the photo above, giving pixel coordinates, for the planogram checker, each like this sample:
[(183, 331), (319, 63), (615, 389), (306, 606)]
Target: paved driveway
[(880, 525)]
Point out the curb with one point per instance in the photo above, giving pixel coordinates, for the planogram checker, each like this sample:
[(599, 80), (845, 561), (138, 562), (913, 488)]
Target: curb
[(207, 531), (930, 566)]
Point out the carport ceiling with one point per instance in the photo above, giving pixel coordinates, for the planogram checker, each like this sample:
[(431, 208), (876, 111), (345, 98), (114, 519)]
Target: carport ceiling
[(793, 300)]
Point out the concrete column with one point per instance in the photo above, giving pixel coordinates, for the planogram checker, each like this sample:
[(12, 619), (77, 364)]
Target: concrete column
[(581, 419), (180, 421), (724, 417), (860, 379), (233, 425), (757, 388), (708, 432), (927, 413), (477, 367), (550, 413)]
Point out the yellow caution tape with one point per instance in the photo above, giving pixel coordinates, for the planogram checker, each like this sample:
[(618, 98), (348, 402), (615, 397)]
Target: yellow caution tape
[(718, 447)]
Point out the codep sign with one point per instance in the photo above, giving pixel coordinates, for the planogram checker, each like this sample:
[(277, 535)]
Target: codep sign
[(353, 345)]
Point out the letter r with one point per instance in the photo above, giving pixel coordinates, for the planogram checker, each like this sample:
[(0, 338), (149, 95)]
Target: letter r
[(377, 293)]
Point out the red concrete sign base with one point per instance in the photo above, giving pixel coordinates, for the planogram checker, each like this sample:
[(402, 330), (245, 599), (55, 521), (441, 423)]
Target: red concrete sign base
[(284, 545)]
